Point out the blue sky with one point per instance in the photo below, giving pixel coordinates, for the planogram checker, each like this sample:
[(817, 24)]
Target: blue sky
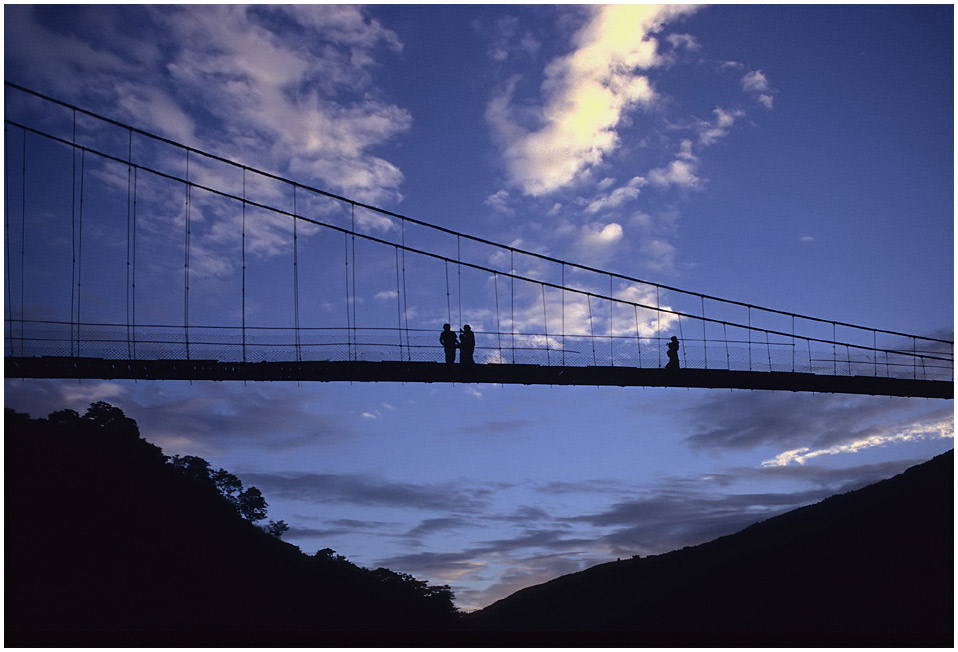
[(794, 157)]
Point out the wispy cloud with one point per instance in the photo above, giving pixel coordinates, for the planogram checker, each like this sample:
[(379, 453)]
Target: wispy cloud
[(286, 88), (745, 421), (756, 83), (680, 172), (366, 490), (617, 197), (938, 430)]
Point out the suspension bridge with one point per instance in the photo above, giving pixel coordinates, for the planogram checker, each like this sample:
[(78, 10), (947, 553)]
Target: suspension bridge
[(131, 256)]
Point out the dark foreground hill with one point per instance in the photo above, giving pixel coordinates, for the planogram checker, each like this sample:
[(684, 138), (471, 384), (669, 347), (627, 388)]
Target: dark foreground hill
[(107, 543), (870, 567)]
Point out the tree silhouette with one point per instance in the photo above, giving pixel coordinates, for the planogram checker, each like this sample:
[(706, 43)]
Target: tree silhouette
[(228, 485), (108, 417), (61, 417), (251, 504), (276, 528)]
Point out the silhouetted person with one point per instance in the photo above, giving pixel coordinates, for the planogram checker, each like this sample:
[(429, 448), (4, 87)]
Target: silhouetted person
[(449, 342), (467, 344), (673, 354)]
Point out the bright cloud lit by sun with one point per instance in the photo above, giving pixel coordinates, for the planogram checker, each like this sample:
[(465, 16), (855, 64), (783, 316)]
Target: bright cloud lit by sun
[(587, 94), (944, 429)]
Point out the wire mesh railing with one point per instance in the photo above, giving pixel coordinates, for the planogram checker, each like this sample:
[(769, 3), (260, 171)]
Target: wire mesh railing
[(273, 344)]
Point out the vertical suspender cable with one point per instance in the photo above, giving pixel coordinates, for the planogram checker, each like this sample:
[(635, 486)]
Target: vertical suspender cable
[(545, 324), (73, 225), (875, 348), (682, 337), (768, 345), (512, 301), (133, 271), (186, 263), (638, 335), (459, 274), (129, 231), (914, 354), (562, 267), (705, 341), (611, 333), (23, 232), (398, 301), (749, 338), (448, 304), (658, 325), (243, 254), (834, 350), (728, 357), (405, 295), (296, 334), (793, 343), (6, 225), (80, 246), (495, 284), (349, 339), (588, 298), (355, 338)]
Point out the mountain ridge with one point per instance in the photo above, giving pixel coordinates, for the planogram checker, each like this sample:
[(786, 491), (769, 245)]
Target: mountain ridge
[(874, 563)]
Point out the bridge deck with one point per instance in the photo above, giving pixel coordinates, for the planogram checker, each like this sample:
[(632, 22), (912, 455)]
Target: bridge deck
[(430, 372)]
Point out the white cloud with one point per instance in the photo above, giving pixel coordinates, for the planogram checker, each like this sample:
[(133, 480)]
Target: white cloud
[(286, 88), (686, 41), (587, 94), (618, 196), (937, 430), (507, 39), (680, 172), (756, 82), (499, 201), (657, 254), (710, 132), (595, 237)]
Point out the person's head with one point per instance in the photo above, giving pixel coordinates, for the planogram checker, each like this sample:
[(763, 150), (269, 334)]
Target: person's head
[(466, 328), (675, 339), (445, 327)]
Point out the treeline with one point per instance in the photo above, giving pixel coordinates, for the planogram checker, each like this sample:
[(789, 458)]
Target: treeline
[(108, 537)]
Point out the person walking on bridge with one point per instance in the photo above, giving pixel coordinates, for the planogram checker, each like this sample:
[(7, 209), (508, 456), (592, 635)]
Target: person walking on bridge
[(673, 354), (449, 342), (467, 344)]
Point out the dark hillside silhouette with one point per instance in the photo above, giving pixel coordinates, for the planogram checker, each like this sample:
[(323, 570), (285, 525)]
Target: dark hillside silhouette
[(872, 566), (108, 541)]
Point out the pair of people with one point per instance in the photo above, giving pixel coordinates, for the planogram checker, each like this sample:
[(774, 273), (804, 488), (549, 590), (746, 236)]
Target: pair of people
[(466, 344)]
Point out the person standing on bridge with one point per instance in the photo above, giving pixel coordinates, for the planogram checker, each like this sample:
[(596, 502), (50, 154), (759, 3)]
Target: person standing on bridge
[(449, 342), (673, 354), (467, 344)]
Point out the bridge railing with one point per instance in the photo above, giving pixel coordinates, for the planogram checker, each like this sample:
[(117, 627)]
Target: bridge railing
[(264, 344)]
